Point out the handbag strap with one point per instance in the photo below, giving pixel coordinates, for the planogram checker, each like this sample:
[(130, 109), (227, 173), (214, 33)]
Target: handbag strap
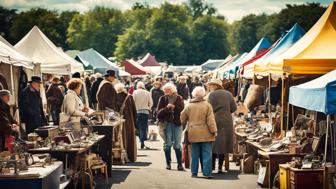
[(123, 104)]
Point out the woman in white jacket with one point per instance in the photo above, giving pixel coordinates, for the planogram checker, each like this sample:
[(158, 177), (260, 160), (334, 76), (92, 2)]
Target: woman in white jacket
[(72, 104)]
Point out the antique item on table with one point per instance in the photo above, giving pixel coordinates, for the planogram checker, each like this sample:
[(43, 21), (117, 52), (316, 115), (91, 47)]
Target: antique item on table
[(65, 139), (32, 136), (294, 148), (266, 142), (296, 163), (28, 159), (311, 162), (303, 122), (277, 146), (276, 132), (47, 131)]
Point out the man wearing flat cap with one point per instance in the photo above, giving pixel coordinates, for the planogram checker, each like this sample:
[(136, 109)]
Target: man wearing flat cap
[(106, 95), (31, 109), (8, 126)]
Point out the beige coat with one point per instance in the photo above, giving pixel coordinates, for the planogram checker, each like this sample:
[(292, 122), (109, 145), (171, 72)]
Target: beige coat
[(201, 121), (143, 100)]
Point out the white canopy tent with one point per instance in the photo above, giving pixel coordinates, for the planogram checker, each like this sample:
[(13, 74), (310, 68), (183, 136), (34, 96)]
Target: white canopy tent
[(36, 46), (11, 62), (9, 55)]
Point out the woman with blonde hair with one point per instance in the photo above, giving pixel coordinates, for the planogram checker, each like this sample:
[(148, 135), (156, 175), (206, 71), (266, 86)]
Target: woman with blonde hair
[(202, 131), (73, 105)]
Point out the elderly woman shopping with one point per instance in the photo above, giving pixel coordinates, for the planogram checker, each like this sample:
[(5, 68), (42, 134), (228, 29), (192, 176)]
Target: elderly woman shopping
[(201, 130), (169, 110), (72, 103), (223, 106)]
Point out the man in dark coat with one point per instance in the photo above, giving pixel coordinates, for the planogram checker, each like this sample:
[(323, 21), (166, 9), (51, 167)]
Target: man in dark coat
[(94, 89), (7, 123), (182, 88), (156, 93), (55, 99), (31, 108), (126, 107), (223, 105), (106, 94)]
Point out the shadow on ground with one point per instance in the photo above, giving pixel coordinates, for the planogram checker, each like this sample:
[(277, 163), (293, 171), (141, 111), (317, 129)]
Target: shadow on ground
[(118, 176), (231, 175), (137, 164)]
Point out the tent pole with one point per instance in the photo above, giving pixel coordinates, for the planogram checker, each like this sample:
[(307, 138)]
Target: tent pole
[(12, 80), (326, 140), (331, 142), (269, 96), (287, 121), (282, 101)]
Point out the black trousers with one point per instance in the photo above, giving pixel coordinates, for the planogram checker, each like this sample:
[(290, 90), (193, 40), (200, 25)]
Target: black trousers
[(220, 160)]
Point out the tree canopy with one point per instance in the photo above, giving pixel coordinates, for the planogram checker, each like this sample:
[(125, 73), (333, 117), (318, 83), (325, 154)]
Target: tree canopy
[(189, 33)]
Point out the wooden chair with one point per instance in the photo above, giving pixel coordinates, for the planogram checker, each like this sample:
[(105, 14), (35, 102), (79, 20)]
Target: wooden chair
[(100, 165)]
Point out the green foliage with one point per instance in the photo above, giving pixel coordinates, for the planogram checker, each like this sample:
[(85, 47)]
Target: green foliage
[(168, 33), (209, 36), (305, 15), (199, 8), (98, 29), (65, 19), (189, 33), (6, 19), (247, 32), (54, 25), (45, 19)]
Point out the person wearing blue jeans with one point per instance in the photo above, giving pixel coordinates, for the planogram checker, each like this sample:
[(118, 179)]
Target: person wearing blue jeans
[(143, 103), (142, 125), (201, 130), (169, 111), (203, 151), (173, 138)]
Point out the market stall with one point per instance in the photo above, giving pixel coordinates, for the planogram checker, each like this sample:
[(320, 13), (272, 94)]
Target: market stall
[(15, 69), (37, 47), (94, 61)]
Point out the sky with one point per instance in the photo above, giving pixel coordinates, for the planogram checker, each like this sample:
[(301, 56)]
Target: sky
[(231, 9)]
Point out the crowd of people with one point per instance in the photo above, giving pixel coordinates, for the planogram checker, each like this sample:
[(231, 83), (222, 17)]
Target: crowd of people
[(201, 109)]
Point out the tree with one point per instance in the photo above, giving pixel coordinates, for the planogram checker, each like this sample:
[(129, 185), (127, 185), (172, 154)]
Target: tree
[(199, 8), (246, 32), (209, 36), (45, 19), (131, 44), (138, 5), (306, 15), (168, 34), (6, 19), (64, 21), (98, 29)]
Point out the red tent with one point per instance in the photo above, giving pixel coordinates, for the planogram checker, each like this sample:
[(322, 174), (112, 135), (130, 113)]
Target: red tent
[(134, 68), (149, 60)]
